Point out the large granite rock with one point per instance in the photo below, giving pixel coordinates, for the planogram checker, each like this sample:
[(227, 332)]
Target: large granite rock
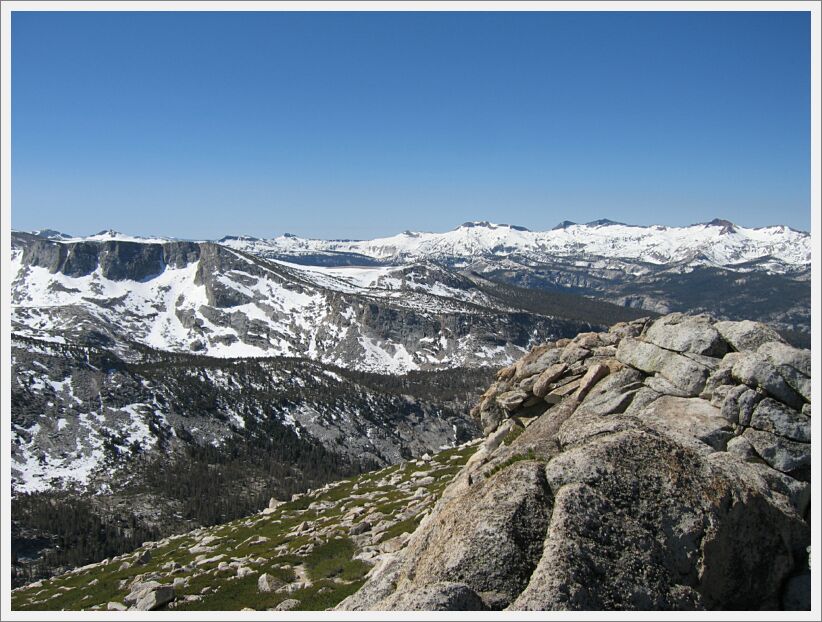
[(638, 487), (757, 371), (746, 335), (793, 364), (685, 333), (491, 549), (681, 371)]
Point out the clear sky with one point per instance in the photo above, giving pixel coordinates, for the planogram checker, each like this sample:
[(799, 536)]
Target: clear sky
[(355, 125)]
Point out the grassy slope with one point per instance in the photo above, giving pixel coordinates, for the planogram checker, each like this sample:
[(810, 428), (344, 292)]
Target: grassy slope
[(317, 562)]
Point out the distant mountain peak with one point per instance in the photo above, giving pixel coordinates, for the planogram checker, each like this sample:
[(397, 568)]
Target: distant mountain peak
[(51, 234), (471, 224), (564, 225), (108, 232), (727, 225), (603, 222), (243, 238)]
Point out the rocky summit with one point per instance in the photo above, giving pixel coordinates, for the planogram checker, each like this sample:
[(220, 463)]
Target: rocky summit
[(663, 464)]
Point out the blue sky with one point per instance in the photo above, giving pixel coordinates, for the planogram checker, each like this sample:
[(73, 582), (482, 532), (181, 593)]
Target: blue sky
[(354, 125)]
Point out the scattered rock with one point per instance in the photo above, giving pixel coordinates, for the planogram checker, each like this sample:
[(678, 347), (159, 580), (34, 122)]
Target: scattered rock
[(140, 589), (783, 455), (594, 374), (510, 400), (155, 599), (772, 416), (143, 558), (739, 404), (209, 560), (535, 361), (287, 605), (756, 370), (550, 375), (793, 364), (199, 549), (781, 354), (572, 353), (268, 583), (742, 448), (358, 528)]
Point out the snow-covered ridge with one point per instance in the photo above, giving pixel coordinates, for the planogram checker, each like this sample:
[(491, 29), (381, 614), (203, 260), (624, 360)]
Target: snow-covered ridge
[(717, 243)]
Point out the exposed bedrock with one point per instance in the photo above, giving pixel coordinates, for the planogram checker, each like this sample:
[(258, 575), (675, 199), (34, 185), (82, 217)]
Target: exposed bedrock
[(660, 465)]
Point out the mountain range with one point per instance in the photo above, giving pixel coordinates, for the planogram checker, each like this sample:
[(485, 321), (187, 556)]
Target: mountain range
[(290, 296), (718, 243)]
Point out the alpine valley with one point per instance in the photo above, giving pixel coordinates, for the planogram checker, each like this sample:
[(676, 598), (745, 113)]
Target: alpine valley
[(161, 385)]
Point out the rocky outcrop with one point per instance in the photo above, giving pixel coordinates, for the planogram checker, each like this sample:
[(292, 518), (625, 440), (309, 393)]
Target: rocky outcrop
[(661, 465), (118, 260)]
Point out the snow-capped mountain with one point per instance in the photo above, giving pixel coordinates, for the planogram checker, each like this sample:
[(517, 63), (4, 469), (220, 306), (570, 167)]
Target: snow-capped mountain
[(718, 267), (411, 301), (717, 243)]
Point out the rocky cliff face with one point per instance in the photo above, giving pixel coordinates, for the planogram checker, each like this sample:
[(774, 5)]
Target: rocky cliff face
[(660, 465)]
